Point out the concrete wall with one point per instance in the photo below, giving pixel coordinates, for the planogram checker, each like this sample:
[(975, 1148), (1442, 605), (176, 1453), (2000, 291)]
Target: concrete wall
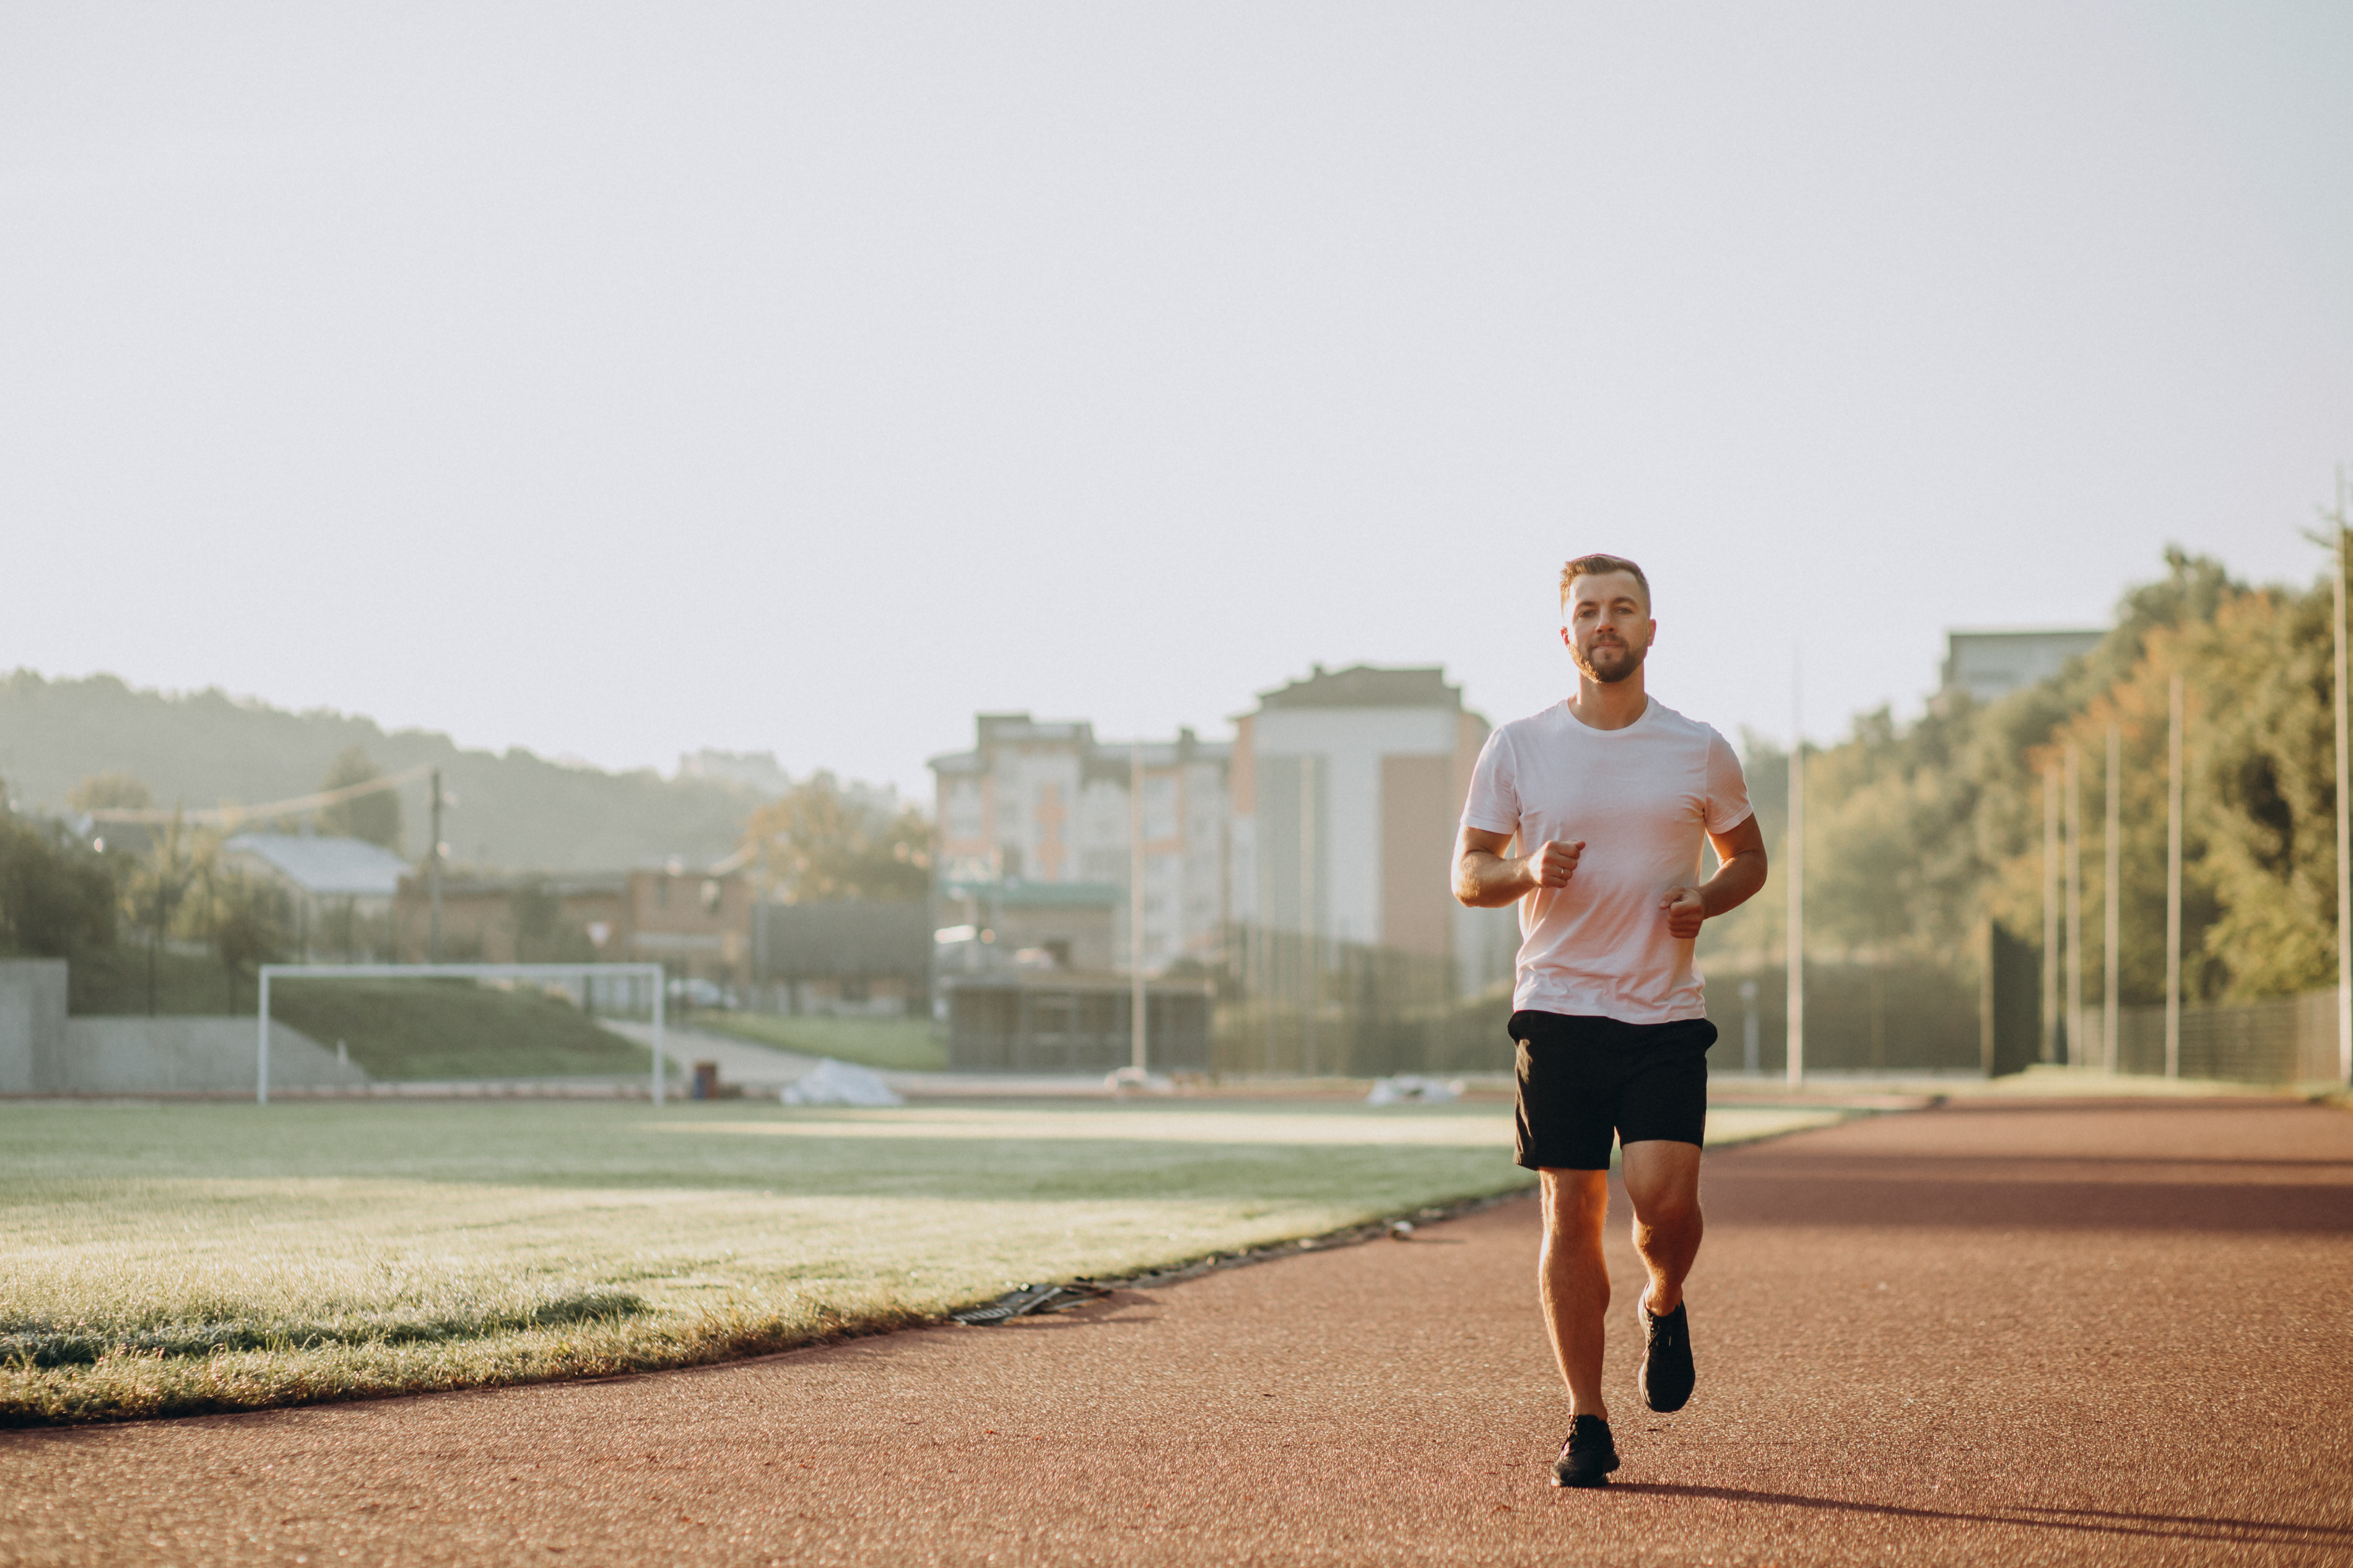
[(42, 1051), (32, 1023), (167, 1056)]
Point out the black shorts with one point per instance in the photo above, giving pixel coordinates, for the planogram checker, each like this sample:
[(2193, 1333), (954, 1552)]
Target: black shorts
[(1582, 1079)]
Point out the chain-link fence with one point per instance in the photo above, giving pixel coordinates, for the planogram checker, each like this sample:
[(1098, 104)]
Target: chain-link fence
[(1290, 1003), (2290, 1039)]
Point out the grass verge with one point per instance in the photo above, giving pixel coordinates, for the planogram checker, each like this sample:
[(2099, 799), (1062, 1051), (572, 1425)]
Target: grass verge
[(893, 1045), (165, 1260), (413, 1029)]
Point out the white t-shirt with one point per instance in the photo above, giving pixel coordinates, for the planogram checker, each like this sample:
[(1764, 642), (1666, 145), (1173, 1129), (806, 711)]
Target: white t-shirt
[(1643, 798)]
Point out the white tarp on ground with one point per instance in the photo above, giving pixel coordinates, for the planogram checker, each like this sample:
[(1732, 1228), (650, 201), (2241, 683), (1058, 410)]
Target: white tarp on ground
[(1410, 1090), (838, 1083)]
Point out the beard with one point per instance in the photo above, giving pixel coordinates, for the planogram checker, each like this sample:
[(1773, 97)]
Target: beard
[(1609, 663)]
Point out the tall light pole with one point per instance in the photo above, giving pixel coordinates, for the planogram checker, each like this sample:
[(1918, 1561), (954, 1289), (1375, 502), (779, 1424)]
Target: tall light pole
[(1312, 954), (2344, 811), (1138, 1041), (2112, 934), (433, 876), (2076, 1054), (2050, 913), (1797, 873), (2173, 880)]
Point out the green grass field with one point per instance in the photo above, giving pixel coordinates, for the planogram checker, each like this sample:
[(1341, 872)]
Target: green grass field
[(159, 1261), (893, 1045), (428, 1029)]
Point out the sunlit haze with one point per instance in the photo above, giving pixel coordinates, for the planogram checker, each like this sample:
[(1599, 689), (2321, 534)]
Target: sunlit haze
[(617, 381)]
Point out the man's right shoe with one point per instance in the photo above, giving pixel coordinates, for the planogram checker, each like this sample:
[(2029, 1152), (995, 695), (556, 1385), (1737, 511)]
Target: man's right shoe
[(1587, 1456), (1666, 1377)]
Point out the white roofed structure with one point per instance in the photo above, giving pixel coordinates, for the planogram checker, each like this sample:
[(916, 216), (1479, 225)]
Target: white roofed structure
[(323, 868)]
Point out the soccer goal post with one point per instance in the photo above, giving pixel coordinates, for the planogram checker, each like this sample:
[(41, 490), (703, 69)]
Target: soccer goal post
[(652, 971)]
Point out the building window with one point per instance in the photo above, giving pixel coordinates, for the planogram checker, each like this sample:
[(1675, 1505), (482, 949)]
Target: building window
[(964, 810), (1159, 807)]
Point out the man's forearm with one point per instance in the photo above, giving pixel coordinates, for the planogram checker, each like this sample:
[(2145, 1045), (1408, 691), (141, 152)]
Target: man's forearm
[(1735, 883), (1485, 881)]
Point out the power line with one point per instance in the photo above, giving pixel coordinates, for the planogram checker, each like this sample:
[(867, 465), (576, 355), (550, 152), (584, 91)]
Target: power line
[(230, 815)]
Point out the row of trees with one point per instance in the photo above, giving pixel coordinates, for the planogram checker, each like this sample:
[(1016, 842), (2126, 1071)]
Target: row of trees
[(64, 896), (1915, 833)]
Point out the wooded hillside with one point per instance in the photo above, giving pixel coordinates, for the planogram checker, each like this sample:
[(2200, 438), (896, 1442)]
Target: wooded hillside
[(515, 810)]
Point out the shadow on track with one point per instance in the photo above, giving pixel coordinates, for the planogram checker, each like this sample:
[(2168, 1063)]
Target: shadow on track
[(2093, 1520)]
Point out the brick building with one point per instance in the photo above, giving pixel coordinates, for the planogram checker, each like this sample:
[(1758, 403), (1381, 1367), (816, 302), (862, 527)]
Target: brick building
[(696, 923)]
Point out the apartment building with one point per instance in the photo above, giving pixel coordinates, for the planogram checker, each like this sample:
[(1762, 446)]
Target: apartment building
[(1346, 789), (1044, 802)]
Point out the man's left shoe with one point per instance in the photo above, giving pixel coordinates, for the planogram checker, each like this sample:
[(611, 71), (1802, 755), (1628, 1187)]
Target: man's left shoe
[(1666, 1377)]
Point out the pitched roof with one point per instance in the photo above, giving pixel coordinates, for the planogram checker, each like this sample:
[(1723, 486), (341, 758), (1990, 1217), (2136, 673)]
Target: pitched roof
[(1367, 686), (341, 868)]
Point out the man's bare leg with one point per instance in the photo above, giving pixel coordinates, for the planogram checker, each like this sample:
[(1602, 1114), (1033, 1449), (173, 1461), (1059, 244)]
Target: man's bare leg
[(1572, 1279), (1662, 1183)]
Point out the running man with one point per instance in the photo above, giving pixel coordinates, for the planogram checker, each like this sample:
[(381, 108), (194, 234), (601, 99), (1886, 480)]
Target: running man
[(1609, 795)]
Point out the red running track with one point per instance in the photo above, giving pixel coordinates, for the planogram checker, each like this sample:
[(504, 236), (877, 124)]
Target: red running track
[(2065, 1333)]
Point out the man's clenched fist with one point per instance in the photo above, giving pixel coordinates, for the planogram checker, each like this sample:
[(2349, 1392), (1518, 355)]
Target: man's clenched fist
[(1552, 865), (1685, 910)]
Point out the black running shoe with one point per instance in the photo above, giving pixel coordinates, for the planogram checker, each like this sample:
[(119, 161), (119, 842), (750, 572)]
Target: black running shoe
[(1666, 1377), (1587, 1454)]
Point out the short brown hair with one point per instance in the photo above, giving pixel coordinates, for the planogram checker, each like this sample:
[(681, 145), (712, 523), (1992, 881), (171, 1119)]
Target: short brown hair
[(1597, 565)]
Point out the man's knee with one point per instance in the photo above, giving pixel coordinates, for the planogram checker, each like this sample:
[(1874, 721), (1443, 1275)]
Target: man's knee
[(1662, 1184), (1671, 1210), (1577, 1203)]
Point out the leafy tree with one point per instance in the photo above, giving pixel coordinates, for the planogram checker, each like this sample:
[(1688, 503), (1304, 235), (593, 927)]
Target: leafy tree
[(156, 887), (375, 817), (247, 922), (2265, 774), (57, 895), (818, 841)]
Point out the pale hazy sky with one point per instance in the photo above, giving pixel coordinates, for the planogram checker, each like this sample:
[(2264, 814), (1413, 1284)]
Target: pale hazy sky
[(613, 381)]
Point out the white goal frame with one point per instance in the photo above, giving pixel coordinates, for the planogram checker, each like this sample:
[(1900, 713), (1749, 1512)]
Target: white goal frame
[(452, 972)]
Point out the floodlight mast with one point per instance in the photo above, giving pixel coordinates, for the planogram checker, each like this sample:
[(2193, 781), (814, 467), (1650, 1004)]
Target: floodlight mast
[(653, 972), (1138, 1006), (2344, 821), (1796, 943), (432, 875)]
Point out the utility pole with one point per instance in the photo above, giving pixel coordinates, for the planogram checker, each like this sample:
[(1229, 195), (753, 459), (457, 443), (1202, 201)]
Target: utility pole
[(1137, 1039), (2050, 913), (2173, 880), (433, 876), (2114, 927), (2077, 1056), (1312, 967), (2344, 811), (1796, 942)]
